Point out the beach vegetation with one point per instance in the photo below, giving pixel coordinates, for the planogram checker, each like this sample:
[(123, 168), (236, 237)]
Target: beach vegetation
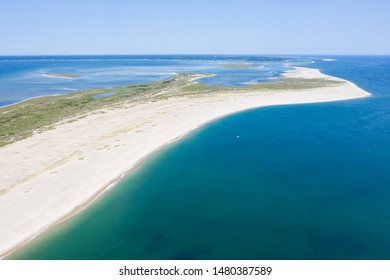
[(23, 119)]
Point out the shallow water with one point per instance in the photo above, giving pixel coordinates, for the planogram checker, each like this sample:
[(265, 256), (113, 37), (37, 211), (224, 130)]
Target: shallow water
[(30, 76)]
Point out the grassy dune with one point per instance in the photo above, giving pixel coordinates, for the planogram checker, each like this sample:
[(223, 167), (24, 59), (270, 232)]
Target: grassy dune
[(23, 119)]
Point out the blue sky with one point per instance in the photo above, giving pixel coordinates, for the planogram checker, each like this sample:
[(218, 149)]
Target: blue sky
[(194, 27)]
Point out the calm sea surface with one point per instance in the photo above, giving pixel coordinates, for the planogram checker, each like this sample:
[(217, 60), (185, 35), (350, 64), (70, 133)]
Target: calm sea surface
[(300, 182), (31, 76)]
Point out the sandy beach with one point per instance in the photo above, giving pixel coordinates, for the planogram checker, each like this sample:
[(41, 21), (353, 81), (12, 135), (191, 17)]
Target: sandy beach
[(55, 173)]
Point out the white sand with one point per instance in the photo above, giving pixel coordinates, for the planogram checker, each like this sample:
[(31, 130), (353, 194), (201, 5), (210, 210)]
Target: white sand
[(55, 173)]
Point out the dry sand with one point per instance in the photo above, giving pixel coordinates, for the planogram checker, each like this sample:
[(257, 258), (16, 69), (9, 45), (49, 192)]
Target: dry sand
[(55, 173)]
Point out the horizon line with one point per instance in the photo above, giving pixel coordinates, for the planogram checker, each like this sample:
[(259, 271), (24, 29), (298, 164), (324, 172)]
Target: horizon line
[(192, 54)]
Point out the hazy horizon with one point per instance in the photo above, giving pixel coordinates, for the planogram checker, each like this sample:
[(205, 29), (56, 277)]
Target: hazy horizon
[(190, 54)]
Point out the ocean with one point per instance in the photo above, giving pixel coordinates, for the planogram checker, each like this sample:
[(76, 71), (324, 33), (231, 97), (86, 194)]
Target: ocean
[(283, 182)]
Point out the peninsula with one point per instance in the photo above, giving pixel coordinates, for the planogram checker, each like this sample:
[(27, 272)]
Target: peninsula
[(58, 153)]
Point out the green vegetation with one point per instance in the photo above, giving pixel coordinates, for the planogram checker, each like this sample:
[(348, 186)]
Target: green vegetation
[(21, 120), (281, 84), (295, 84)]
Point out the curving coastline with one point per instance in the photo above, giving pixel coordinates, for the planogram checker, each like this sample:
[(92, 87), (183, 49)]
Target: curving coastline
[(60, 171)]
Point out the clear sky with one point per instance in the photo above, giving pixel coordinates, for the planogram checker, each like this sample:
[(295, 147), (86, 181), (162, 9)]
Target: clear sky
[(194, 27)]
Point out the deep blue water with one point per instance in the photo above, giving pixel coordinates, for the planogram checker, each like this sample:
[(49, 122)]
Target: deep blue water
[(300, 182)]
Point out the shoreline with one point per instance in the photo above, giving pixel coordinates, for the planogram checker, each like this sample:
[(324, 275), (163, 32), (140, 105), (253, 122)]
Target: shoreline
[(107, 133), (30, 98)]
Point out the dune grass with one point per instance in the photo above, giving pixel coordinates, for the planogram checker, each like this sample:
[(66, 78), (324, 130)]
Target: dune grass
[(21, 120)]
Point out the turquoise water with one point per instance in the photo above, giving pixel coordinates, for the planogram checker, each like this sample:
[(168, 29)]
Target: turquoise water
[(300, 182)]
